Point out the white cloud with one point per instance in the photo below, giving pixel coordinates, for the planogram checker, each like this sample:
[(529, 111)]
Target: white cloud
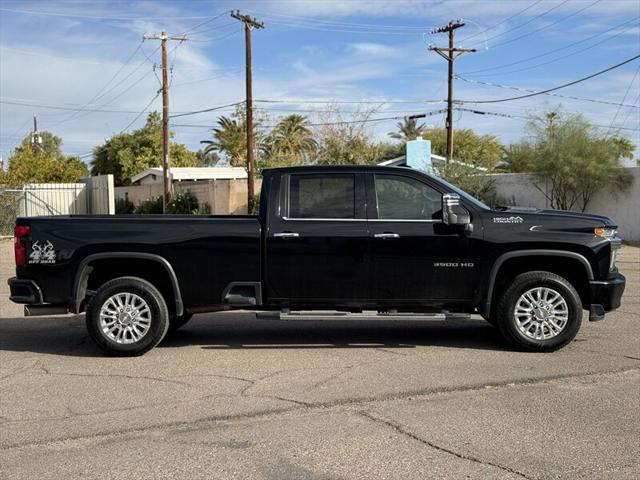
[(370, 49)]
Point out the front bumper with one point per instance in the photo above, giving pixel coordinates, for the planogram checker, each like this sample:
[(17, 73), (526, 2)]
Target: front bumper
[(25, 291), (608, 292)]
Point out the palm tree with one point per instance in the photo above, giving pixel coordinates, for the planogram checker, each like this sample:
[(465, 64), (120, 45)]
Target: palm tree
[(408, 129), (230, 139), (290, 140)]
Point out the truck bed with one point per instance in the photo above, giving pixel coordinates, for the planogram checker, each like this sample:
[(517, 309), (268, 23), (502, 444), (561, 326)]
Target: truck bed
[(206, 252)]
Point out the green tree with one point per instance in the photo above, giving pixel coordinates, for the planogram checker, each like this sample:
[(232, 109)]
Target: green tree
[(46, 164), (207, 159), (468, 147), (573, 157), (230, 137), (289, 143), (127, 154), (347, 141), (408, 129)]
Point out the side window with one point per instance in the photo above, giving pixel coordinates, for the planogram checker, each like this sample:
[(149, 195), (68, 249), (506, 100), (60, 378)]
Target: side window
[(322, 196), (403, 198)]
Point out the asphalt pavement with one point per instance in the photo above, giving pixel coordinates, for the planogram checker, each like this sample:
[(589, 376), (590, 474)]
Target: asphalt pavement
[(232, 397)]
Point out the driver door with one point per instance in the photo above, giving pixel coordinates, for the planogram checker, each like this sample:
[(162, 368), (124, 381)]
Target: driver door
[(412, 252)]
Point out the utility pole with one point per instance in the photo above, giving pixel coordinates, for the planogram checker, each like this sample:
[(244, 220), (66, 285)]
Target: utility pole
[(36, 140), (248, 24), (166, 181), (450, 54)]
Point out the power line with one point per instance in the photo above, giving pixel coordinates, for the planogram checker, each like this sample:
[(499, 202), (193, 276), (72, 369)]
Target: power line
[(57, 57), (341, 122), (101, 91), (346, 102), (96, 17), (524, 60), (191, 30), (62, 107), (624, 120), (623, 99), (531, 67), (530, 6), (544, 27), (328, 28), (517, 27), (216, 39), (195, 112), (141, 112), (338, 24), (524, 117), (593, 100), (564, 85)]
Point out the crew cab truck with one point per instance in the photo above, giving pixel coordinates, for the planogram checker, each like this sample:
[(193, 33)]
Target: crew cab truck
[(387, 241)]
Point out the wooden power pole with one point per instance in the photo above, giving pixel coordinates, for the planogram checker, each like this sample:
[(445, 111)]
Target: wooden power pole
[(251, 165), (166, 181), (36, 140), (450, 54)]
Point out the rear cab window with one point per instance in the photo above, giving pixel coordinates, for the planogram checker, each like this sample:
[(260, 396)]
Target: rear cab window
[(322, 196)]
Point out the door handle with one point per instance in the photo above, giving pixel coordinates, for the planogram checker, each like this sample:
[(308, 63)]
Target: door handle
[(286, 235), (386, 235)]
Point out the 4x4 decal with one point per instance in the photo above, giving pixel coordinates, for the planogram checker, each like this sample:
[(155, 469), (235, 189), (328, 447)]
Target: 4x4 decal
[(42, 254)]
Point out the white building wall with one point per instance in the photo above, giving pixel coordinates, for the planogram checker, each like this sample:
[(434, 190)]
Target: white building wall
[(623, 207)]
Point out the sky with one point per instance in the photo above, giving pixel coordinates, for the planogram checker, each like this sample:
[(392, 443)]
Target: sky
[(83, 68)]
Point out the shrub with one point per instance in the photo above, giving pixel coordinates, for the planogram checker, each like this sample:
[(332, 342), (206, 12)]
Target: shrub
[(150, 206), (254, 208), (183, 203), (124, 206)]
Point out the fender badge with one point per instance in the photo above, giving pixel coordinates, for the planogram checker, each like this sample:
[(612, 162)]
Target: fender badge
[(508, 220)]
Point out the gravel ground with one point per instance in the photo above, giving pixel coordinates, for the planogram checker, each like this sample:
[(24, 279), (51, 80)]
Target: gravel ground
[(233, 397)]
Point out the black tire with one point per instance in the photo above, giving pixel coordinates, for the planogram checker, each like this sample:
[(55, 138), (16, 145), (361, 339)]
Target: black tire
[(524, 282), (158, 314), (176, 323)]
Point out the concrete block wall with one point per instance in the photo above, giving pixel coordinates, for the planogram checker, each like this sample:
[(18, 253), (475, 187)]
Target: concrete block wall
[(623, 207)]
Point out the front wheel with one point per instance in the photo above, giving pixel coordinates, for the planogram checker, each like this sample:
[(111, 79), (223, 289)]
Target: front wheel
[(540, 311), (127, 316)]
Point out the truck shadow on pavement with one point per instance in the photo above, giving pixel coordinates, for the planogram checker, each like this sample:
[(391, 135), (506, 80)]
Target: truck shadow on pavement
[(263, 335), (68, 336)]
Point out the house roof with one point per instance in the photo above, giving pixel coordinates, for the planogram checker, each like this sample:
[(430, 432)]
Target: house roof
[(402, 160), (179, 174)]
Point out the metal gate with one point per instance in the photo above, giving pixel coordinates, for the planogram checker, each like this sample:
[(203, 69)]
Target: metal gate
[(41, 200)]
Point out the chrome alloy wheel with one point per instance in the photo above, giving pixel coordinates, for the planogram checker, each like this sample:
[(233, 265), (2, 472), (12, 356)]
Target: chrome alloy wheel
[(125, 318), (541, 313)]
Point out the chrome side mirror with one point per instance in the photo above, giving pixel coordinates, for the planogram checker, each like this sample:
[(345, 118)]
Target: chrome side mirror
[(452, 212)]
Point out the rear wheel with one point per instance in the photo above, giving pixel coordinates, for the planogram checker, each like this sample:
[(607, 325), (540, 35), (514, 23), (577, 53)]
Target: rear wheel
[(540, 311), (127, 316)]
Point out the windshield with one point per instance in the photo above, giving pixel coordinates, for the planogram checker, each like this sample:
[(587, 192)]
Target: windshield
[(465, 195)]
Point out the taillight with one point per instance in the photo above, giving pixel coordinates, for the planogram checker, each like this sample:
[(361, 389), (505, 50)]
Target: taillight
[(20, 232)]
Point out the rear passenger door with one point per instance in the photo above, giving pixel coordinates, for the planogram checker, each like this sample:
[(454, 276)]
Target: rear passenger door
[(316, 250)]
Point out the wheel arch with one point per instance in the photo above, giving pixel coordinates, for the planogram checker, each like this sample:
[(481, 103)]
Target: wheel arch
[(86, 268), (514, 260)]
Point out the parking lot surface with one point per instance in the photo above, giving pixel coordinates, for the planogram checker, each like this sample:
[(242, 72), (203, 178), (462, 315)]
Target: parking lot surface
[(231, 397)]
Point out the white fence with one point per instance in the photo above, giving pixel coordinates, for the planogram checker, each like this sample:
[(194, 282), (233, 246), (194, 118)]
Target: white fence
[(623, 207), (93, 195)]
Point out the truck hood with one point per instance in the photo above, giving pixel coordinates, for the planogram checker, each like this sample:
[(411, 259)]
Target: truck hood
[(536, 214)]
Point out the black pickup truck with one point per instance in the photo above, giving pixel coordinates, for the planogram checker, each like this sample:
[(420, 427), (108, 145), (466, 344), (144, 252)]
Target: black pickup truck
[(359, 241)]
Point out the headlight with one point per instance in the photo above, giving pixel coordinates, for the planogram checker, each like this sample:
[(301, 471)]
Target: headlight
[(605, 232), (610, 234)]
